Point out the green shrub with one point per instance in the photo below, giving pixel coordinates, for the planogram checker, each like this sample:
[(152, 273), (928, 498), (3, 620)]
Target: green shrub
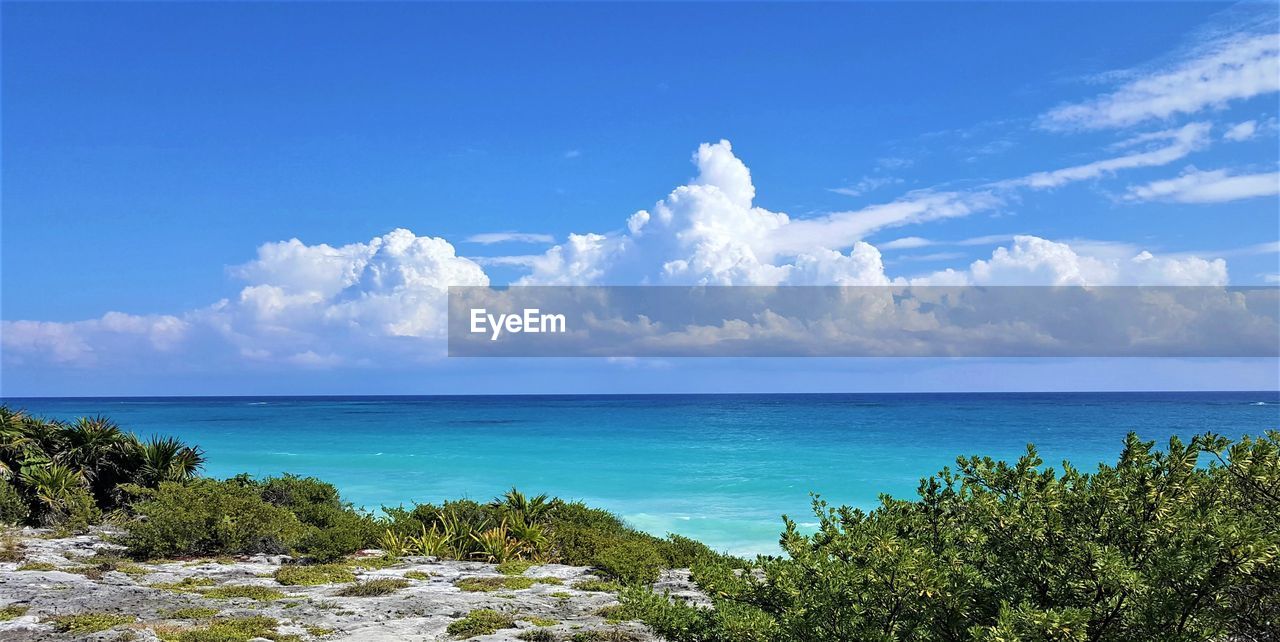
[(514, 567), (418, 575), (69, 473), (187, 585), (334, 528), (234, 591), (74, 514), (85, 623), (38, 566), (1172, 543), (631, 562), (207, 517), (237, 629), (480, 622), (192, 613), (536, 635), (312, 575), (373, 588), (485, 584), (13, 507), (12, 612), (597, 586)]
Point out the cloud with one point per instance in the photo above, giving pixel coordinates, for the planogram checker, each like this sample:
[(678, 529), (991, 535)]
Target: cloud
[(1033, 260), (866, 184), (573, 153), (322, 306), (1241, 131), (91, 342), (1181, 142), (1233, 68), (912, 242), (907, 242), (1217, 186), (491, 238)]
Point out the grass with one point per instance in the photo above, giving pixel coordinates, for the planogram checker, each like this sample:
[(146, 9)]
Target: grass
[(318, 631), (192, 613), (372, 588), (536, 635), (611, 635), (11, 549), (37, 566), (514, 567), (543, 621), (85, 623), (372, 563), (187, 585), (12, 612), (314, 575), (509, 582), (480, 622), (240, 629), (419, 575), (597, 586), (259, 593)]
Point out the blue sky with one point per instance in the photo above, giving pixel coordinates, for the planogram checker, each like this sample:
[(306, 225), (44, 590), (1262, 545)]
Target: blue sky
[(155, 153)]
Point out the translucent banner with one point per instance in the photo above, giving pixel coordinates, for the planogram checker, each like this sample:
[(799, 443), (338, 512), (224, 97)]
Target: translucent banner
[(889, 321)]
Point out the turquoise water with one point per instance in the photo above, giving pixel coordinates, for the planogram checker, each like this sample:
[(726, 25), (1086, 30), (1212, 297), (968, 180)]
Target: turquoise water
[(720, 468)]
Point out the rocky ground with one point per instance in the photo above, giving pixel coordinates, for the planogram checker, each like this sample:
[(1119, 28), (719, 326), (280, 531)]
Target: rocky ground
[(77, 588)]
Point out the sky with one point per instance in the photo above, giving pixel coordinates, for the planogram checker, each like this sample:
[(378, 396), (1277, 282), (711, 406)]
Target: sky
[(272, 198)]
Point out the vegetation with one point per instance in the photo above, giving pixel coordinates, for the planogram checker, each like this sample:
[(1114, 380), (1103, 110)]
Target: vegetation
[(233, 591), (65, 475), (1180, 542), (237, 629), (192, 613), (85, 623), (312, 575), (480, 622), (12, 612), (374, 588), (516, 532)]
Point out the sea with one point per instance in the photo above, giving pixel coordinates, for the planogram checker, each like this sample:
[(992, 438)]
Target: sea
[(719, 468)]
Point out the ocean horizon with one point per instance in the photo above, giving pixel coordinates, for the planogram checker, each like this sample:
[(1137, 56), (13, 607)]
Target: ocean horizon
[(721, 468)]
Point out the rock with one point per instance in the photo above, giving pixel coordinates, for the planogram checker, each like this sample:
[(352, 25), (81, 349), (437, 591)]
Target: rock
[(421, 611)]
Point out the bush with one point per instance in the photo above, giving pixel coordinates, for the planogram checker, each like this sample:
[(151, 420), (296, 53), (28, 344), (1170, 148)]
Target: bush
[(207, 517), (85, 623), (13, 508), (1160, 542), (373, 588), (480, 622), (312, 575), (234, 591), (75, 514), (631, 562)]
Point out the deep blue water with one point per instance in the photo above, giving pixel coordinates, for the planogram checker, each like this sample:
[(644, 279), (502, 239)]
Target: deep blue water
[(720, 468)]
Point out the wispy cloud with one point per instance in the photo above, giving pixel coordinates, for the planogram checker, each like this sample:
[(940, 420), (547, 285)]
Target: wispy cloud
[(911, 242), (1241, 131), (490, 238), (866, 184), (520, 260), (1181, 142), (573, 153), (1217, 186), (1233, 68)]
